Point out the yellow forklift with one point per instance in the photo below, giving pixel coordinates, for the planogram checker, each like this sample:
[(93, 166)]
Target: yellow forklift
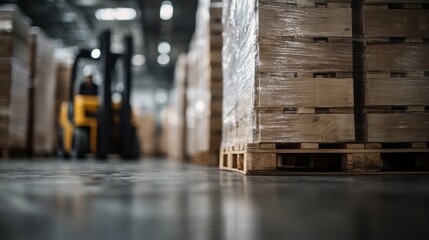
[(96, 124)]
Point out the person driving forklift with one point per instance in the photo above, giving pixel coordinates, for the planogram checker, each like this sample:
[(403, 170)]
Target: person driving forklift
[(88, 87)]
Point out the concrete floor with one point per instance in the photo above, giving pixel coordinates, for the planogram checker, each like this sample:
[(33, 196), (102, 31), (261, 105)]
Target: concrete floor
[(167, 200)]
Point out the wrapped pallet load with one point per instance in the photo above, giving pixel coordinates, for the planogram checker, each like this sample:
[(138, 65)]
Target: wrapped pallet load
[(43, 68), (14, 80), (287, 68), (205, 85), (175, 115), (333, 84)]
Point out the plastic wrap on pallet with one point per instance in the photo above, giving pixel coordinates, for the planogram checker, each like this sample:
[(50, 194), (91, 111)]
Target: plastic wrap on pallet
[(282, 55), (204, 94), (146, 129), (14, 72), (175, 131), (14, 27), (44, 92), (13, 104)]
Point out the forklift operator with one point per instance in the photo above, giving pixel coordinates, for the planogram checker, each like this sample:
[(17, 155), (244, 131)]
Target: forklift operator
[(88, 87)]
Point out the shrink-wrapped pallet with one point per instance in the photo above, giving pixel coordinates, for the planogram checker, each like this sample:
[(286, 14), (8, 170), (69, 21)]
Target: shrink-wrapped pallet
[(14, 75), (205, 85), (43, 67), (146, 127), (176, 114), (287, 68)]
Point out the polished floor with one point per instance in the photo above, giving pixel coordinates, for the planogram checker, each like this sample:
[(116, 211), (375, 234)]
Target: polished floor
[(167, 200)]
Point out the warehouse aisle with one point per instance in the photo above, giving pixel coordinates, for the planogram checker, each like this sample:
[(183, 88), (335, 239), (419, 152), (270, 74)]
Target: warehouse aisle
[(168, 200)]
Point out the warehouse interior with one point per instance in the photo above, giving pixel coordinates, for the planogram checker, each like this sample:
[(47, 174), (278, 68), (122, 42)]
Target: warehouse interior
[(214, 119)]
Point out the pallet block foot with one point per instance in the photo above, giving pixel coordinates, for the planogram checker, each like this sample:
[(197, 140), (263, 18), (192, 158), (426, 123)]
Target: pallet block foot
[(361, 162)]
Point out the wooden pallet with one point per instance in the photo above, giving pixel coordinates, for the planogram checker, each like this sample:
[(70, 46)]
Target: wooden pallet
[(267, 158), (208, 158)]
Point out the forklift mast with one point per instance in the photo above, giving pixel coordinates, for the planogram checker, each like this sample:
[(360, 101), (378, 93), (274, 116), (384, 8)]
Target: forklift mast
[(126, 126), (105, 97)]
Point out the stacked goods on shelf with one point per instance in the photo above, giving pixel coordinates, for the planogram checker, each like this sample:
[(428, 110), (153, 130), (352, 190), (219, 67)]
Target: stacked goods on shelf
[(146, 126), (176, 115), (62, 82), (44, 69), (392, 73), (163, 139), (287, 70), (14, 74), (205, 85), (63, 78)]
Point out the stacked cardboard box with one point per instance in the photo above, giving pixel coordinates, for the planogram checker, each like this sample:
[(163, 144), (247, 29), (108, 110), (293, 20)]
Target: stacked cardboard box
[(62, 82), (287, 72), (392, 75), (63, 78), (146, 126), (176, 114), (205, 85), (43, 67), (14, 74)]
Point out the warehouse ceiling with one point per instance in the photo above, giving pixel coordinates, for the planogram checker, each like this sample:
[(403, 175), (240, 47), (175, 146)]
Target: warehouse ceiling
[(73, 23)]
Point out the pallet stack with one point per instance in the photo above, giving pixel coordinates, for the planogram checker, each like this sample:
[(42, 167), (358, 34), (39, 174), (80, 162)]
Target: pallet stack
[(146, 127), (205, 85), (63, 78), (62, 84), (287, 79), (393, 77), (14, 75), (300, 93), (175, 131), (44, 69)]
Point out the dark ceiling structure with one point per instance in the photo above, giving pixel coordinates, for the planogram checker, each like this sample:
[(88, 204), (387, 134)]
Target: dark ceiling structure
[(73, 23)]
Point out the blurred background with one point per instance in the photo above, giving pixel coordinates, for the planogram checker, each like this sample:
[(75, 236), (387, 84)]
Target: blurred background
[(161, 30)]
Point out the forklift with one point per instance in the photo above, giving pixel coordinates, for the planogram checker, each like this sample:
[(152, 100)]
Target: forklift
[(95, 124)]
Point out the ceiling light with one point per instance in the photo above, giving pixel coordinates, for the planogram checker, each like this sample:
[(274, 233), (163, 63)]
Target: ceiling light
[(161, 96), (110, 14), (125, 14), (138, 60), (95, 53), (163, 59), (164, 47), (166, 10)]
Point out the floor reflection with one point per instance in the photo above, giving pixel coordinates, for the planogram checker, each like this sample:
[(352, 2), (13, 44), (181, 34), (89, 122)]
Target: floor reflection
[(168, 200)]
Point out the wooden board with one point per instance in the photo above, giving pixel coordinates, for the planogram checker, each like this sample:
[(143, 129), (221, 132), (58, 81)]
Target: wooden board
[(412, 23), (305, 92), (280, 127), (396, 91), (398, 127), (278, 19), (393, 1), (397, 56), (276, 54)]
